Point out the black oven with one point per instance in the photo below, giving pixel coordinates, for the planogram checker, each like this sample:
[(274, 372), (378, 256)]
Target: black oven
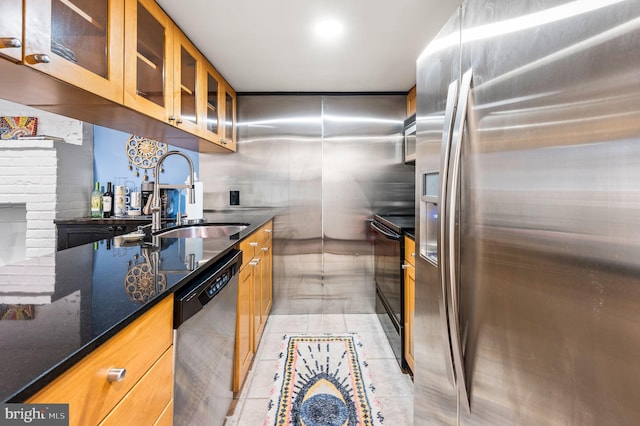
[(388, 241)]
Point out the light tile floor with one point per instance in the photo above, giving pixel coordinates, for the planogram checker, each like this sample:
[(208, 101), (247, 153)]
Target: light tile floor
[(394, 389)]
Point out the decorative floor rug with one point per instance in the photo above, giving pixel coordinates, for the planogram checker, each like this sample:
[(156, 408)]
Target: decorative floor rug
[(323, 380)]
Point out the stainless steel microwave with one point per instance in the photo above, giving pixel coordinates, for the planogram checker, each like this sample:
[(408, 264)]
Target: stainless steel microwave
[(410, 139)]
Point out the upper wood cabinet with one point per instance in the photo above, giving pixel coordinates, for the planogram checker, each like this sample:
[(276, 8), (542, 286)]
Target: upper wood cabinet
[(228, 136), (167, 78), (411, 102), (187, 79), (211, 102), (218, 108), (11, 29), (148, 52), (77, 41), (127, 52)]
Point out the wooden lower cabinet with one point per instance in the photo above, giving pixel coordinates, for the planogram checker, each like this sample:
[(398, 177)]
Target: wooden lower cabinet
[(409, 299), (145, 349), (255, 297), (244, 329)]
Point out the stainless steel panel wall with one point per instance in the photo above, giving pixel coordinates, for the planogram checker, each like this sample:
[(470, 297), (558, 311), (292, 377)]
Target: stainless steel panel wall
[(278, 165), (362, 172), (435, 398), (550, 217), (323, 164)]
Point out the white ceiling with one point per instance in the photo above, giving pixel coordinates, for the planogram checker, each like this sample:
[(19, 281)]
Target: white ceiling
[(270, 45)]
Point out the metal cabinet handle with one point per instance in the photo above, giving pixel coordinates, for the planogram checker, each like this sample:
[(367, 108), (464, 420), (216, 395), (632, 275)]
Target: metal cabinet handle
[(413, 254), (116, 374), (407, 266), (454, 317), (10, 42), (223, 141), (41, 58), (172, 118), (254, 262), (265, 249), (452, 98), (253, 244), (268, 230), (179, 121)]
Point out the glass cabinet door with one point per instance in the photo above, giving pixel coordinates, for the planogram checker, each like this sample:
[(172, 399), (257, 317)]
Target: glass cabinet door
[(228, 137), (11, 29), (211, 109), (148, 60), (77, 41), (186, 80)]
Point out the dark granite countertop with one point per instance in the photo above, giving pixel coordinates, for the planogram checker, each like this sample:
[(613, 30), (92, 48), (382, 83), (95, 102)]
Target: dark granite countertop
[(56, 309)]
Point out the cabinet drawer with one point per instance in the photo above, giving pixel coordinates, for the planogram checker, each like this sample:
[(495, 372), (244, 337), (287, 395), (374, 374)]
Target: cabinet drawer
[(410, 250), (267, 231), (148, 398), (136, 348), (253, 244)]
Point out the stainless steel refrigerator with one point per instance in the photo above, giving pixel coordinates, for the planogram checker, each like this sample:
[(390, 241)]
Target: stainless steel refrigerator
[(528, 216)]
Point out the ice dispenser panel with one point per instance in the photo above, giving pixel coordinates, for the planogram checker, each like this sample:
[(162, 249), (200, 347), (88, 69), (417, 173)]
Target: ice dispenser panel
[(429, 216)]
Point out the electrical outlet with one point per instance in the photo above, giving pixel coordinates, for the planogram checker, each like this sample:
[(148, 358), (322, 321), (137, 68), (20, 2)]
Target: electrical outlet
[(234, 198)]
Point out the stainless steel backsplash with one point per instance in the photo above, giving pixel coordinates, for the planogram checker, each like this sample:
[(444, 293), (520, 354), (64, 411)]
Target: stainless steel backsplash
[(324, 164)]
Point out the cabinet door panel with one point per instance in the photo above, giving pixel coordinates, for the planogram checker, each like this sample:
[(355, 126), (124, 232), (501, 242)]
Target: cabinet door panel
[(11, 29), (409, 312), (228, 99), (244, 328), (187, 75), (79, 42), (267, 281), (258, 320), (148, 60), (210, 103)]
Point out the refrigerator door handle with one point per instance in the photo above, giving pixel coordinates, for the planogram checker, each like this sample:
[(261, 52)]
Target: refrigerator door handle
[(454, 317), (450, 110)]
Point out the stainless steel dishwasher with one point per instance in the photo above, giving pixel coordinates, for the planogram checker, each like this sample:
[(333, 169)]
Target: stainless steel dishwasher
[(205, 329)]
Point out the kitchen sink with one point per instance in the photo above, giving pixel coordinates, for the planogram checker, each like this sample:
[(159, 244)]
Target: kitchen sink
[(205, 230)]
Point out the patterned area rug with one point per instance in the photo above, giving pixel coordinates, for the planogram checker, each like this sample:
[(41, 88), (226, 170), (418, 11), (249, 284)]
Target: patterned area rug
[(323, 380)]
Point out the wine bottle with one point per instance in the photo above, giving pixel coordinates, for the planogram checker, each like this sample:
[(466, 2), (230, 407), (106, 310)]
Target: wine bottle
[(96, 201), (107, 202)]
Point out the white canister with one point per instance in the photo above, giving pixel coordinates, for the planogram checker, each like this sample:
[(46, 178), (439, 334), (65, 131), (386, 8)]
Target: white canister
[(120, 200), (135, 203)]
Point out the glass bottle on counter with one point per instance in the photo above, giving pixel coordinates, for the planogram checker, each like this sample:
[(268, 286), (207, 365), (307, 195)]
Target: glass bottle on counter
[(96, 202), (107, 202)]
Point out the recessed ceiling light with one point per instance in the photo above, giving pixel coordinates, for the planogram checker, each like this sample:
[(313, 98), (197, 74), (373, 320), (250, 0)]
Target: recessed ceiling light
[(329, 28)]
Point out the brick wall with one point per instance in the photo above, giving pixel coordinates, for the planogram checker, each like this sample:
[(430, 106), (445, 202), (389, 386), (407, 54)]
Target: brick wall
[(51, 179)]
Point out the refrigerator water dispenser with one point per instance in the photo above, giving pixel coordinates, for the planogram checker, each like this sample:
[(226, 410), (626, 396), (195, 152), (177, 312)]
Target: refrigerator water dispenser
[(429, 216)]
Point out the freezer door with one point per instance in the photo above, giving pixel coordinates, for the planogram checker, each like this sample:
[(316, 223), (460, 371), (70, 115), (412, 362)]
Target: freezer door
[(549, 213), (435, 397)]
